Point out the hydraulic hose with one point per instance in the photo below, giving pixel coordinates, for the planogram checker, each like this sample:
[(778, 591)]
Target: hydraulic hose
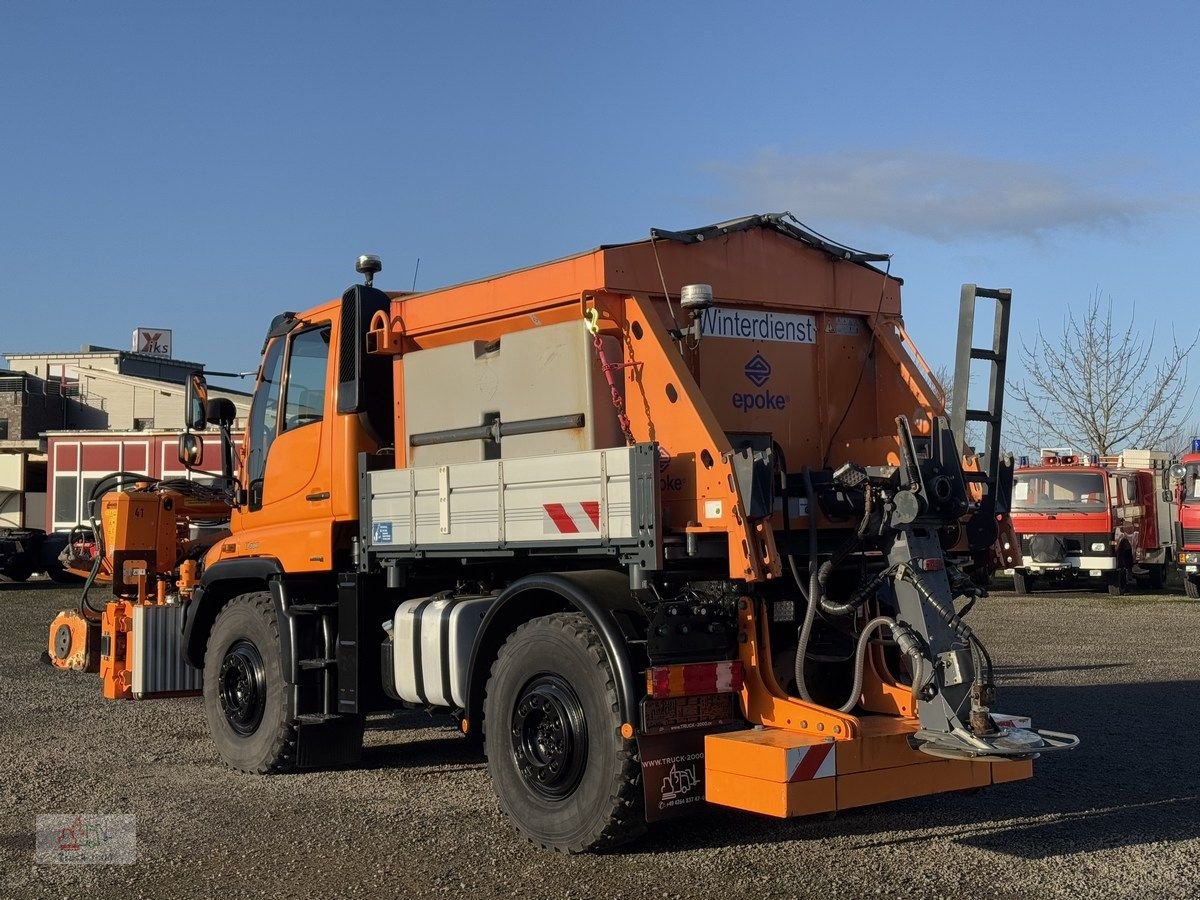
[(818, 578), (860, 659), (860, 596), (961, 629), (84, 606), (813, 596), (787, 521)]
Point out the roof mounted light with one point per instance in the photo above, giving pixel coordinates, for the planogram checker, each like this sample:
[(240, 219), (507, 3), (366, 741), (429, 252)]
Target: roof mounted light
[(367, 265), (696, 297)]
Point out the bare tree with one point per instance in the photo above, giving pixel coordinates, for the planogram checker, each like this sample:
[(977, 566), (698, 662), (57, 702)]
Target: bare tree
[(1101, 387)]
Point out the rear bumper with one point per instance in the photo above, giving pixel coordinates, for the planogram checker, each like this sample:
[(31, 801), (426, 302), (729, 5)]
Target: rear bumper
[(783, 774)]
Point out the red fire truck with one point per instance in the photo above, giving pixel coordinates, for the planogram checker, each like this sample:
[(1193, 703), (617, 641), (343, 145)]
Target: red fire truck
[(1105, 518), (1187, 524)]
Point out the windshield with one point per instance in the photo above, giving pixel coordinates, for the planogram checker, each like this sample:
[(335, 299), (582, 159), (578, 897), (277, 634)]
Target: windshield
[(1055, 490), (1191, 484)]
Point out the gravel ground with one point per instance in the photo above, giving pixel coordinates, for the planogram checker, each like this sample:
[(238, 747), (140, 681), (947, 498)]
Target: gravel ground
[(1118, 817)]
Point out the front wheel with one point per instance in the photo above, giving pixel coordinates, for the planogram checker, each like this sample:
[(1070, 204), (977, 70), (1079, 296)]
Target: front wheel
[(1119, 581), (1022, 584), (1157, 578), (1191, 585), (246, 701), (559, 765)]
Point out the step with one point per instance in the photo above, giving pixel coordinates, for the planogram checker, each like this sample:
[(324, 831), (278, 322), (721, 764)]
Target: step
[(315, 718), (312, 608), (318, 663)]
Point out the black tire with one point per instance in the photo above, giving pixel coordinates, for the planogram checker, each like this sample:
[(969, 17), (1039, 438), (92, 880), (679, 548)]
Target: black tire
[(59, 575), (246, 701), (1157, 578), (557, 760), (18, 572), (1022, 584), (1119, 580), (1191, 586)]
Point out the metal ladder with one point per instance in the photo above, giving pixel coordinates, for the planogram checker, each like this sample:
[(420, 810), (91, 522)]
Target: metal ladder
[(961, 414), (995, 474)]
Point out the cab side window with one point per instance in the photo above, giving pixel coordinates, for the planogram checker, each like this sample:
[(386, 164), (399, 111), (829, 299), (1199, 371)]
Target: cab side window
[(304, 402), (1131, 490)]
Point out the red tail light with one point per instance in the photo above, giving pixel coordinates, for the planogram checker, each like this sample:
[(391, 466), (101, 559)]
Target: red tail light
[(692, 679)]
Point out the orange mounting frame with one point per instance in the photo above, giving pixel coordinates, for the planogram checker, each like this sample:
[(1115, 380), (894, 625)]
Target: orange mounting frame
[(664, 404), (764, 702)]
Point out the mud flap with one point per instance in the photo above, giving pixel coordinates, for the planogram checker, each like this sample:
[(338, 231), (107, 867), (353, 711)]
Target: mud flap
[(671, 749), (672, 773), (328, 741)]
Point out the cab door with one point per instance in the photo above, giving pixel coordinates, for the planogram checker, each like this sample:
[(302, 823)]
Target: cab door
[(1149, 539), (1132, 521), (289, 510)]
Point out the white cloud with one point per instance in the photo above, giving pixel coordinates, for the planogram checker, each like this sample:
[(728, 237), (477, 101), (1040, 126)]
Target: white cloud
[(941, 196)]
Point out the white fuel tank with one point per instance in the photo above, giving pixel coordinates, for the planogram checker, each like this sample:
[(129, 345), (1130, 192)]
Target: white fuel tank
[(432, 642)]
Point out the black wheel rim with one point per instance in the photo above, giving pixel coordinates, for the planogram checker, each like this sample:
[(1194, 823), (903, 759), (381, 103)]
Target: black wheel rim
[(549, 737), (241, 685)]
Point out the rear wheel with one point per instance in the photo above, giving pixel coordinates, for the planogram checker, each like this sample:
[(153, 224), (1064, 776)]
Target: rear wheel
[(59, 574), (18, 571), (1022, 584), (1191, 585), (560, 767), (246, 700)]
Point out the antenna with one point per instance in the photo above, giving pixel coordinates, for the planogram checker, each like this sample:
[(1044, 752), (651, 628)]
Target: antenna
[(415, 271)]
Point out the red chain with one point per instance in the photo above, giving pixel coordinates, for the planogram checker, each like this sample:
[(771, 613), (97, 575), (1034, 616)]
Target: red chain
[(608, 368)]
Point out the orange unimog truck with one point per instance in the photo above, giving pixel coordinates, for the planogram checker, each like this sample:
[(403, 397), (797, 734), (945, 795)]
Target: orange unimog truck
[(660, 523)]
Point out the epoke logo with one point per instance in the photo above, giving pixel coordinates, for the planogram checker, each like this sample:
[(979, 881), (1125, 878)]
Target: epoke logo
[(667, 482), (758, 370)]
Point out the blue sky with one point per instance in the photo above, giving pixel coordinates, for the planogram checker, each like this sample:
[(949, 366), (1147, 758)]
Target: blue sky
[(202, 166)]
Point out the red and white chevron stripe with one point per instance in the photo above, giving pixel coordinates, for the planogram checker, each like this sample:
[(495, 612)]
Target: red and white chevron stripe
[(815, 761), (572, 518)]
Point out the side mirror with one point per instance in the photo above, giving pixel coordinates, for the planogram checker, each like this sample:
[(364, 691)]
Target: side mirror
[(1178, 472), (191, 450), (195, 403)]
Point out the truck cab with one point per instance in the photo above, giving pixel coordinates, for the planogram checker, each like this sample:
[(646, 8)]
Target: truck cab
[(1091, 517), (1187, 529)]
